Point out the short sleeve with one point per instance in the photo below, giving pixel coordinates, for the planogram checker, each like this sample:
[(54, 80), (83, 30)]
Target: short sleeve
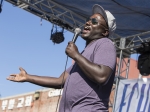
[(69, 69), (105, 54)]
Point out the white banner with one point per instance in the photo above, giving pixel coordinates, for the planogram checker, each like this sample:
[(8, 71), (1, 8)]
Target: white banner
[(133, 96)]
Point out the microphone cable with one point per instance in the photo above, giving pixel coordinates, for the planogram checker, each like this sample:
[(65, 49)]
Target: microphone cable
[(76, 33), (61, 85)]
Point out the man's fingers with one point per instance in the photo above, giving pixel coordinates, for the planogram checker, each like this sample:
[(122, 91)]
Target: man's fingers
[(70, 42), (11, 77), (21, 69)]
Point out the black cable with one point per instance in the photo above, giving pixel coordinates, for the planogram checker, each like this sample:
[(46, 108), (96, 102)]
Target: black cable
[(1, 6), (66, 84), (1, 2), (62, 85), (52, 31)]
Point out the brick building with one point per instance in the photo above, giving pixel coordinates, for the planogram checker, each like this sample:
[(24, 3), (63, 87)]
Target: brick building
[(39, 101)]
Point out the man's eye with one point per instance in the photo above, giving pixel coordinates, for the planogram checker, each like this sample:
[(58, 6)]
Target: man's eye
[(94, 21)]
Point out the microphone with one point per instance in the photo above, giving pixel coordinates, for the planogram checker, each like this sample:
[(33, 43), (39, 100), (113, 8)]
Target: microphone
[(76, 33)]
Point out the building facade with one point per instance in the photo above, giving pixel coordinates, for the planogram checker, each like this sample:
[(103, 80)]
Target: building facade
[(45, 100)]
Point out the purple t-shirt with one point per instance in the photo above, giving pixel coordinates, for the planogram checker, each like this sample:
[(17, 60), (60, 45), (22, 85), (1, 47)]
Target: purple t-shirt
[(80, 94)]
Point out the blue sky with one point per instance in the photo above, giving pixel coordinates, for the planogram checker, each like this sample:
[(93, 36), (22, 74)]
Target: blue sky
[(25, 43)]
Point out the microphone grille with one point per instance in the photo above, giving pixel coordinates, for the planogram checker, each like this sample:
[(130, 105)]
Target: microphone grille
[(77, 30)]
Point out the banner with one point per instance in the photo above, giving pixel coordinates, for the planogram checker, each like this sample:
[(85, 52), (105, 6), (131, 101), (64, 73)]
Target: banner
[(133, 96)]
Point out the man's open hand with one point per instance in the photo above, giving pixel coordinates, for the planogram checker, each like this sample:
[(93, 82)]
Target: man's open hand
[(21, 77)]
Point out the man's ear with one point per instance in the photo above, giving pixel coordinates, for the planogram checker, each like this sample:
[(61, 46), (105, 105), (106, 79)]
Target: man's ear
[(106, 33)]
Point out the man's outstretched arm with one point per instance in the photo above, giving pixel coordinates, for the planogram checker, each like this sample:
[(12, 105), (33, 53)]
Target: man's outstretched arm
[(44, 81)]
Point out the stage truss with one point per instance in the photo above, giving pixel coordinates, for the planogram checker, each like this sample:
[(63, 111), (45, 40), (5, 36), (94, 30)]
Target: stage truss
[(52, 12)]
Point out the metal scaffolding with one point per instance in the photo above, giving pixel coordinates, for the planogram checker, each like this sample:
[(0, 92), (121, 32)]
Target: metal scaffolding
[(125, 47), (52, 12)]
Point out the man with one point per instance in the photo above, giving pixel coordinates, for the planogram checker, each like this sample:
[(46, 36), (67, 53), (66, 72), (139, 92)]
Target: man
[(87, 84)]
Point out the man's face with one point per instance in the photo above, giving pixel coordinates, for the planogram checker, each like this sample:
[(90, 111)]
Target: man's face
[(94, 28)]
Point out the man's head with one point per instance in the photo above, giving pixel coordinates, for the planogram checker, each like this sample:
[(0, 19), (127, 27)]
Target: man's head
[(101, 24)]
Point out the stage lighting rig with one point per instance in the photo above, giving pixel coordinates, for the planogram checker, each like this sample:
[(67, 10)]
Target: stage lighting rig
[(57, 36), (144, 58)]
